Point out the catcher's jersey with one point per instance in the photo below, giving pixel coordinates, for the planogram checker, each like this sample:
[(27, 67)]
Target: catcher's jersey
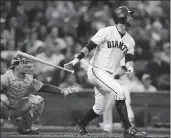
[(15, 88), (111, 48)]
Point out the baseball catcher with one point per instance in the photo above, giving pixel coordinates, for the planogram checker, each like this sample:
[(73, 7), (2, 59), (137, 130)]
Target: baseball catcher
[(17, 102)]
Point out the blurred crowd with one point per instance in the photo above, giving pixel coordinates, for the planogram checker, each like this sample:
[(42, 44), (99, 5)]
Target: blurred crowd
[(56, 31)]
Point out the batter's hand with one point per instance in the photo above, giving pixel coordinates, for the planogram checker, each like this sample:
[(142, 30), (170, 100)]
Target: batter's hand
[(69, 90), (129, 72), (71, 64)]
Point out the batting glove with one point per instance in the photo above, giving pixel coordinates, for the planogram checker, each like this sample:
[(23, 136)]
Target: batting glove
[(71, 64)]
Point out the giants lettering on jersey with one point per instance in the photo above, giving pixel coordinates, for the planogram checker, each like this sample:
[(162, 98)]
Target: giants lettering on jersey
[(116, 44)]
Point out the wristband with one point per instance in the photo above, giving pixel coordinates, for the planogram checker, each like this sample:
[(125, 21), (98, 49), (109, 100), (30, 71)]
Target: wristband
[(80, 56)]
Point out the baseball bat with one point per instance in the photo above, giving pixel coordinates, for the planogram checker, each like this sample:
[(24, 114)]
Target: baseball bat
[(41, 61)]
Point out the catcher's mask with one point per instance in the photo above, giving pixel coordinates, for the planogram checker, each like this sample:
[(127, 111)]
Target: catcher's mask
[(22, 64)]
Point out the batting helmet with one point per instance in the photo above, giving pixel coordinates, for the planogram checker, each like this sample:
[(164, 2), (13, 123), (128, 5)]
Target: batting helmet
[(120, 15)]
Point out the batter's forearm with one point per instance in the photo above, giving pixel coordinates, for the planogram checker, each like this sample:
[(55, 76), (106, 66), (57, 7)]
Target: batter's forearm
[(47, 88), (86, 50)]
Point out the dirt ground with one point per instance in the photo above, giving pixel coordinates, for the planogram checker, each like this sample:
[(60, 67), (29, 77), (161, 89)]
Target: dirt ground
[(70, 132)]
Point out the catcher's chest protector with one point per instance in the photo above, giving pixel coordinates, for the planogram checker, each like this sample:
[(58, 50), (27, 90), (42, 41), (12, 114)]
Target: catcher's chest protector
[(17, 88)]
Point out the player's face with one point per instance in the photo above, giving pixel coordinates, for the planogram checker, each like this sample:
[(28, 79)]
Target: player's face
[(129, 20), (25, 67)]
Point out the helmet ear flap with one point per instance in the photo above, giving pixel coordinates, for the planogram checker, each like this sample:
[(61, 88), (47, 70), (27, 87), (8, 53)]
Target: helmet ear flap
[(115, 18)]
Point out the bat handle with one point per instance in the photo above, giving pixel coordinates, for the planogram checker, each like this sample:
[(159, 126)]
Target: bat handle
[(72, 71), (68, 70)]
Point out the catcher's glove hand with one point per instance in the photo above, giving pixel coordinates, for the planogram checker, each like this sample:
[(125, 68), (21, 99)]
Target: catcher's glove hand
[(70, 90)]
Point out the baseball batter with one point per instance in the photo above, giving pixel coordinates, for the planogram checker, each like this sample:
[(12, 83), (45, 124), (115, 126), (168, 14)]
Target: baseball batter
[(111, 44), (15, 85)]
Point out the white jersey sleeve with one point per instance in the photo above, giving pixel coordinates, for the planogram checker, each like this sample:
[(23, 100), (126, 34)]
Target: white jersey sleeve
[(122, 62), (99, 37), (131, 49)]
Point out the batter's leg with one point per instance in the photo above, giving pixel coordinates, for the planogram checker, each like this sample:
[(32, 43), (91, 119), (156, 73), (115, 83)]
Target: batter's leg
[(129, 108), (96, 110), (106, 82), (108, 114), (101, 81), (93, 113)]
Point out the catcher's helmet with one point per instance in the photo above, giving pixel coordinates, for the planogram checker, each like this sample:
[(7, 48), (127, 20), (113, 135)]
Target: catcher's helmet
[(25, 64), (18, 59), (120, 14), (15, 61)]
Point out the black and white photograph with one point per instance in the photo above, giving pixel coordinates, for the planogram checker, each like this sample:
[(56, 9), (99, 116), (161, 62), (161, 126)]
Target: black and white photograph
[(85, 68)]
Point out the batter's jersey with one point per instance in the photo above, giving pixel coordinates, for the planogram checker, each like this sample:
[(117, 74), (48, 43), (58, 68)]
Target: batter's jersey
[(111, 48), (15, 88)]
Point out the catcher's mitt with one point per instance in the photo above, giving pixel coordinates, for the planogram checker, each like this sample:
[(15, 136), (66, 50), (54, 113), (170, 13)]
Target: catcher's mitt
[(70, 90)]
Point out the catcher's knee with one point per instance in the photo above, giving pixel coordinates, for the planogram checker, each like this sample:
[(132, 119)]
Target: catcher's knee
[(4, 100), (3, 110), (37, 103), (4, 106), (35, 99)]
